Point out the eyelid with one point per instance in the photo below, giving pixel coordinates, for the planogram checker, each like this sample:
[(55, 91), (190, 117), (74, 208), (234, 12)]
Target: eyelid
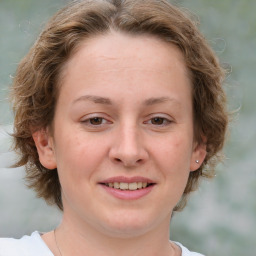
[(166, 117), (85, 119)]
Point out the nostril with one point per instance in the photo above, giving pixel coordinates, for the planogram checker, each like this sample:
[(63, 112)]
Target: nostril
[(128, 163)]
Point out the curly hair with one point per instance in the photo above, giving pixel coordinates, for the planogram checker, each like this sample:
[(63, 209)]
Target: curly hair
[(36, 84)]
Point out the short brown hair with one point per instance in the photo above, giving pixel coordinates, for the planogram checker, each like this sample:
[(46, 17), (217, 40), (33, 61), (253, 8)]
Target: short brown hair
[(35, 86)]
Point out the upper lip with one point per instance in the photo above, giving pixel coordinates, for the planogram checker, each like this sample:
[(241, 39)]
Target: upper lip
[(127, 179)]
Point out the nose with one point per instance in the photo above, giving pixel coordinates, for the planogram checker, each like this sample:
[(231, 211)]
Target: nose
[(129, 147)]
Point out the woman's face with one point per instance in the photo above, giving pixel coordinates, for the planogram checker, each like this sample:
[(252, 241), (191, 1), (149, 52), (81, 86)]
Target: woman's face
[(123, 121)]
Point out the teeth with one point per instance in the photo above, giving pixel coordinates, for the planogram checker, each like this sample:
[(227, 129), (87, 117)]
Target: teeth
[(133, 186), (124, 186), (116, 185), (127, 186)]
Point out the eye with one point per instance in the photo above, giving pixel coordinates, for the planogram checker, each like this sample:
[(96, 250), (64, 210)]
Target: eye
[(96, 120), (158, 121)]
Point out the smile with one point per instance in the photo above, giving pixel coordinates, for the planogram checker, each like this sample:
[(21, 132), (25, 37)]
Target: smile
[(128, 186)]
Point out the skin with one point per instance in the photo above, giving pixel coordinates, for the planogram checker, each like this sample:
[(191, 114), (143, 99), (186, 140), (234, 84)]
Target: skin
[(143, 127)]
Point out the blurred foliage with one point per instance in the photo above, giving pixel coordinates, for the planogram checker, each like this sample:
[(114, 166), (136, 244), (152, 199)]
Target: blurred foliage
[(220, 217)]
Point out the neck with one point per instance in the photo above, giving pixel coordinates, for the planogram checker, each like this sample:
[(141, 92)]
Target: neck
[(74, 239)]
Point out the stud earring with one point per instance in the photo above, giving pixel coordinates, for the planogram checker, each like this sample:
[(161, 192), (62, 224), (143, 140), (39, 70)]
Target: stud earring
[(197, 161)]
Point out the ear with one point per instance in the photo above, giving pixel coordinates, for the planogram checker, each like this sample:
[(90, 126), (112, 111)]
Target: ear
[(44, 145), (198, 156)]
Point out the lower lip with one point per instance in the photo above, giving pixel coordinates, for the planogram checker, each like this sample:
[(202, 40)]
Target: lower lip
[(128, 194)]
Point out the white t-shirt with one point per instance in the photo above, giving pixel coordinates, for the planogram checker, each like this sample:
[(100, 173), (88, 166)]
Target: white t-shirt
[(34, 246)]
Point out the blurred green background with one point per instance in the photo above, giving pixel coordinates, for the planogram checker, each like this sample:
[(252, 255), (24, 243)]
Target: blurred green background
[(220, 218)]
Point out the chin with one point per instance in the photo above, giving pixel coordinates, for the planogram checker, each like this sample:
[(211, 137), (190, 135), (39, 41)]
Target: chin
[(129, 225), (127, 231)]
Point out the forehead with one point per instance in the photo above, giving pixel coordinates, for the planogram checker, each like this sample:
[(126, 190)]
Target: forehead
[(124, 68), (145, 52), (126, 74)]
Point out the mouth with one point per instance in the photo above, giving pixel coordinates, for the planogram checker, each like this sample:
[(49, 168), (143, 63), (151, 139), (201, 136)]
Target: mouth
[(128, 186)]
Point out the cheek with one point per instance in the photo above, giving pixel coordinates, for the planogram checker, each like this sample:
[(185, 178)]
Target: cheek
[(76, 155), (173, 160), (174, 151)]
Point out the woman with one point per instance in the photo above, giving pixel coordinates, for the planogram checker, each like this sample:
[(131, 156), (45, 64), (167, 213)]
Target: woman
[(119, 108)]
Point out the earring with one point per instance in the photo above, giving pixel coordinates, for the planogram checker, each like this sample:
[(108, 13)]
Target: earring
[(197, 161)]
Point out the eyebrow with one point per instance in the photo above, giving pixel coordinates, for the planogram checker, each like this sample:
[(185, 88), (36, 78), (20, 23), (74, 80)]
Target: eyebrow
[(95, 99), (107, 101), (153, 101)]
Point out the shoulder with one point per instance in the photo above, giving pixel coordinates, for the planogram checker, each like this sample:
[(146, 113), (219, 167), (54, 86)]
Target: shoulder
[(26, 246), (186, 252)]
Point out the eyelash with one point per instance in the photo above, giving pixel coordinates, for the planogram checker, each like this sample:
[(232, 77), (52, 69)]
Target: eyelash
[(164, 121), (101, 121)]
